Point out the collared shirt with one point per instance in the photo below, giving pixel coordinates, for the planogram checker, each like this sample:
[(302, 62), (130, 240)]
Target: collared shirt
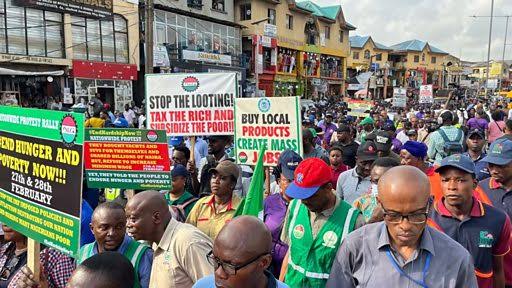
[(179, 259), (57, 267), (209, 282), (205, 217), (367, 204), (481, 170), (500, 198), (351, 185), (436, 142), (145, 262), (362, 261), (468, 233)]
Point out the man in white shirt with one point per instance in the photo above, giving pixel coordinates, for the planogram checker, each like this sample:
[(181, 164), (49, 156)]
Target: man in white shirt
[(128, 114)]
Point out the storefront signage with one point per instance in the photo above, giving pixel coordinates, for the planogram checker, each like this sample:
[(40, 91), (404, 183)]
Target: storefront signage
[(399, 97), (206, 57), (426, 94), (271, 122), (191, 104), (88, 8), (127, 159), (356, 87), (266, 41), (492, 84), (104, 70), (160, 56), (289, 42), (41, 175), (359, 108), (34, 60), (270, 30)]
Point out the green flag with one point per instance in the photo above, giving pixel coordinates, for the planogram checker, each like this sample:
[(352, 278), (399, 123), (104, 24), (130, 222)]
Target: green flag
[(252, 204)]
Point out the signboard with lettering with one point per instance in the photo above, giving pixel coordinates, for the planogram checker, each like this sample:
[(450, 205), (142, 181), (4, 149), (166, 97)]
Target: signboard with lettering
[(34, 60), (191, 104), (359, 108), (426, 94), (41, 175), (399, 97), (206, 57), (270, 30), (273, 122), (87, 8), (127, 159)]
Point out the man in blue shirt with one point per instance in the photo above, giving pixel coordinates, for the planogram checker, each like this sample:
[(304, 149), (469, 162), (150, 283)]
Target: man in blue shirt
[(475, 151), (86, 236), (109, 227), (241, 256)]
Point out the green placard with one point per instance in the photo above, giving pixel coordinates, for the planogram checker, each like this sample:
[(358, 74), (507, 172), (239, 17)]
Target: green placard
[(41, 166)]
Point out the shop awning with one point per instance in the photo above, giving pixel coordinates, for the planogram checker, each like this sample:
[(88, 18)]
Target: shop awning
[(6, 71)]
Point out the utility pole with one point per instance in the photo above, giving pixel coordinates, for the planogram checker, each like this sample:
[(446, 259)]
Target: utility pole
[(504, 49), (148, 35), (489, 49)]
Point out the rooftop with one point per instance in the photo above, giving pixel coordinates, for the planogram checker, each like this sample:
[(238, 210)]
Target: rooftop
[(416, 45), (360, 41)]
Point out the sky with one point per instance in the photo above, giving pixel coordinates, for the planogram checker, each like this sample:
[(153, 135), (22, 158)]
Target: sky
[(445, 24)]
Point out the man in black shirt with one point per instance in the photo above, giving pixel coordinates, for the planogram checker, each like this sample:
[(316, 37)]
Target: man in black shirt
[(347, 144)]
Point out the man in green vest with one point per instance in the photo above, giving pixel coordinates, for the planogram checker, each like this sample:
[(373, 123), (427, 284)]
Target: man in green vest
[(316, 222), (108, 225)]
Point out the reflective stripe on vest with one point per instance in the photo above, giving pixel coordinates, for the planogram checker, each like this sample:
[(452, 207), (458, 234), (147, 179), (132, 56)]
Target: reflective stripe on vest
[(136, 254), (308, 274), (346, 226)]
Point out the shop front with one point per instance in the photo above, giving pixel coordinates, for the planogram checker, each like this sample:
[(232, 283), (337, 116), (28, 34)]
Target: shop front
[(35, 82), (113, 82)]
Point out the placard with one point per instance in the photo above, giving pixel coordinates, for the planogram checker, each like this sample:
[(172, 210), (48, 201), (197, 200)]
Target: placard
[(273, 122), (399, 97), (41, 175), (196, 104), (359, 108), (127, 159), (426, 94)]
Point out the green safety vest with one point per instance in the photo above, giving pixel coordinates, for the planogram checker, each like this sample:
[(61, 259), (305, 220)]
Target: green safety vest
[(133, 252), (310, 260), (112, 193)]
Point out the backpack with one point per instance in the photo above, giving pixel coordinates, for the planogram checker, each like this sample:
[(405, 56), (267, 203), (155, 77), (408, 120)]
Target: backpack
[(178, 211), (451, 147)]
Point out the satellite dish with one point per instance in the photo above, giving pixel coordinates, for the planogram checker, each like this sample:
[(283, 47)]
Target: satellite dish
[(49, 79)]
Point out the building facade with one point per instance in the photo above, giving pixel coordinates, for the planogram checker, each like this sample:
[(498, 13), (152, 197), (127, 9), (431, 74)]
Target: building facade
[(366, 55), (295, 48), (197, 36), (417, 63), (64, 54), (500, 73)]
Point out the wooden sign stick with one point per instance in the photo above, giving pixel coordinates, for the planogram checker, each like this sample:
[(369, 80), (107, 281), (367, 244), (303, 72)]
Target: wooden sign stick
[(33, 250)]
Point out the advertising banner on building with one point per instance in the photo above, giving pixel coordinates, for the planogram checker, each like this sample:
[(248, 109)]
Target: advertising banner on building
[(192, 104), (92, 9), (399, 97), (206, 57), (273, 122), (127, 159), (41, 175), (426, 94), (359, 108)]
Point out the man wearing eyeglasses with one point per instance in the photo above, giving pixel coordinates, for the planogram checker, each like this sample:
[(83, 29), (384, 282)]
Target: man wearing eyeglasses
[(483, 230), (402, 251), (241, 256)]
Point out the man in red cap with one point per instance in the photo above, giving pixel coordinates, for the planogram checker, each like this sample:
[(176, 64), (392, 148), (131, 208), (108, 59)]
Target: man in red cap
[(316, 223)]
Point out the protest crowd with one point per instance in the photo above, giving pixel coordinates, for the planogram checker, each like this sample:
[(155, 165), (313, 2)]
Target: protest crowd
[(419, 196)]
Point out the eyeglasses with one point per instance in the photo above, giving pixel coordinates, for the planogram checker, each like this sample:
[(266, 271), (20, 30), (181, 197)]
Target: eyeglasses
[(230, 269), (413, 218)]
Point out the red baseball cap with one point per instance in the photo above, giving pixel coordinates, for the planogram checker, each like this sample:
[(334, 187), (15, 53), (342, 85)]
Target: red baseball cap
[(309, 176)]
